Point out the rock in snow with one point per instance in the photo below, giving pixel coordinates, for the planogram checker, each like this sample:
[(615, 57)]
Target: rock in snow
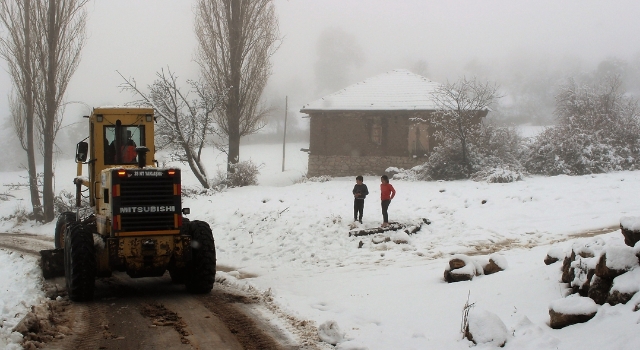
[(571, 310)]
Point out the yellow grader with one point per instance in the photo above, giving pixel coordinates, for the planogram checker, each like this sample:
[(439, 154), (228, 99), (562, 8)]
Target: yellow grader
[(136, 223)]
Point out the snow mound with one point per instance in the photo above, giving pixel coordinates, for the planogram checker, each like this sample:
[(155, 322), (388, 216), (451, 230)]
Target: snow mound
[(351, 345), (329, 332), (487, 327)]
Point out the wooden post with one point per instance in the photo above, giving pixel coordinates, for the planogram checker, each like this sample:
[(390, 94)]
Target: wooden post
[(284, 137)]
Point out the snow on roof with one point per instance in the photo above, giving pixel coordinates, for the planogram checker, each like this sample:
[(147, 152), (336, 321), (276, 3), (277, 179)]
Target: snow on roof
[(396, 90)]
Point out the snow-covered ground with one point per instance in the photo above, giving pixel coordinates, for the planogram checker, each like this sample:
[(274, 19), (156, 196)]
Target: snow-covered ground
[(293, 237)]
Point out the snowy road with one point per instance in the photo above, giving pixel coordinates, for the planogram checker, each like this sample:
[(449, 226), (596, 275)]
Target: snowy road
[(146, 313), (26, 243)]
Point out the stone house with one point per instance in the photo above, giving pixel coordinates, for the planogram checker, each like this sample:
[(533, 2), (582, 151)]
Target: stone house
[(370, 126)]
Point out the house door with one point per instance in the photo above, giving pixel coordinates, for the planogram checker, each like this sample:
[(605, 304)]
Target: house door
[(418, 139)]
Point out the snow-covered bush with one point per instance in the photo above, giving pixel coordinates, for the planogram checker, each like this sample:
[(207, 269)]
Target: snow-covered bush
[(20, 215), (493, 155), (565, 150), (195, 191), (416, 173), (498, 175), (446, 163), (66, 201), (322, 178), (597, 132), (243, 173)]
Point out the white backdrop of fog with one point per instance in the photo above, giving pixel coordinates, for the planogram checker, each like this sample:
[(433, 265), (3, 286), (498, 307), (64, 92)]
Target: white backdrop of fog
[(527, 47)]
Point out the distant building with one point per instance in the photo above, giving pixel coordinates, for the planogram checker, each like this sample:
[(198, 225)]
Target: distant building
[(381, 122)]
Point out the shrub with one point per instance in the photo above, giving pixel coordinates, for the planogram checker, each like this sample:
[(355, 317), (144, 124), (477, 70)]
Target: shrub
[(66, 201), (598, 132), (494, 154), (446, 163), (243, 174), (321, 178), (498, 175)]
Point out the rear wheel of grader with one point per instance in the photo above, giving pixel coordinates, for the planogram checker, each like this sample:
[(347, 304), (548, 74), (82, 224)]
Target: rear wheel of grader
[(201, 271), (64, 220), (79, 262)]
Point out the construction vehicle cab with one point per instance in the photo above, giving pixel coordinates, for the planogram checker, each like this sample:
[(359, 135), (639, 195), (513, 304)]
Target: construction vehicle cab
[(136, 224)]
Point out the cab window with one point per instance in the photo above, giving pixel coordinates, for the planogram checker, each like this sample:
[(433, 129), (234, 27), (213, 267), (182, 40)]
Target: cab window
[(120, 143)]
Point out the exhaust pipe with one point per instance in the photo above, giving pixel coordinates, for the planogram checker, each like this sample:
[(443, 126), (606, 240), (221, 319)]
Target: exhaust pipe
[(142, 156)]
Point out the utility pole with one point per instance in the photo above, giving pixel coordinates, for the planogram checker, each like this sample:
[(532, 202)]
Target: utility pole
[(284, 137)]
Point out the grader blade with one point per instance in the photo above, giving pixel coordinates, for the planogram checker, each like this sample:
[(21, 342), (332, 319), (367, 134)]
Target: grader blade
[(52, 262)]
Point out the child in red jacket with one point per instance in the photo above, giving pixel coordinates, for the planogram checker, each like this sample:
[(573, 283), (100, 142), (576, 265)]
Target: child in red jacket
[(387, 192)]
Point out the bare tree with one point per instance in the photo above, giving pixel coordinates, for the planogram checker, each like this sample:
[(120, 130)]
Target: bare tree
[(17, 48), (236, 40), (460, 107), (183, 122), (60, 29)]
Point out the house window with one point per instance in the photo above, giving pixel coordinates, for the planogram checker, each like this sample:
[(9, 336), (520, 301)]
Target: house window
[(376, 134)]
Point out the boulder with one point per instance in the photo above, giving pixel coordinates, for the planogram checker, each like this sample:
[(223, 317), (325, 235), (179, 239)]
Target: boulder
[(548, 260), (567, 271), (554, 255), (624, 287), (617, 297), (456, 263), (491, 267), (457, 275), (571, 310), (615, 261), (599, 289), (630, 237), (559, 320), (630, 227), (461, 268)]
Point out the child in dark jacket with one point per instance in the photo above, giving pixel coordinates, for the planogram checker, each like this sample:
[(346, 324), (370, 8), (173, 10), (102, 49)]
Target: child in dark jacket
[(360, 192), (387, 192)]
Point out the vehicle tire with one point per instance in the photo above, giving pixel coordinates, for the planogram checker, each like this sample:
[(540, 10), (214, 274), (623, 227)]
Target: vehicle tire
[(64, 220), (201, 270), (184, 229), (178, 275), (79, 262)]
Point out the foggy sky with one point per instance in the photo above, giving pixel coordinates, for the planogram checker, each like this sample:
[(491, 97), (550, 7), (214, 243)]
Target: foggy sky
[(443, 39)]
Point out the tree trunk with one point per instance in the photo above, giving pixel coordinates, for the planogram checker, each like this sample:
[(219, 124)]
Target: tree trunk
[(51, 110), (196, 167), (233, 112), (29, 116)]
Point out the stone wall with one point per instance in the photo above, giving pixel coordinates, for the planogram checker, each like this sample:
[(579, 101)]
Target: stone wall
[(352, 166)]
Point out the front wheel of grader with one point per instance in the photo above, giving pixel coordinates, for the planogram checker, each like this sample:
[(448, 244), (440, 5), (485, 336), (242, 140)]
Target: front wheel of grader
[(201, 270), (79, 262), (64, 220)]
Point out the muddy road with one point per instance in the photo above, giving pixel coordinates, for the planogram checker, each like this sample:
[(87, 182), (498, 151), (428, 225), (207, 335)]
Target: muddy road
[(154, 313)]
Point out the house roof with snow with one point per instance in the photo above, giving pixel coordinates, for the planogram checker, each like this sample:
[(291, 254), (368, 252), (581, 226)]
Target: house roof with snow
[(396, 90)]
